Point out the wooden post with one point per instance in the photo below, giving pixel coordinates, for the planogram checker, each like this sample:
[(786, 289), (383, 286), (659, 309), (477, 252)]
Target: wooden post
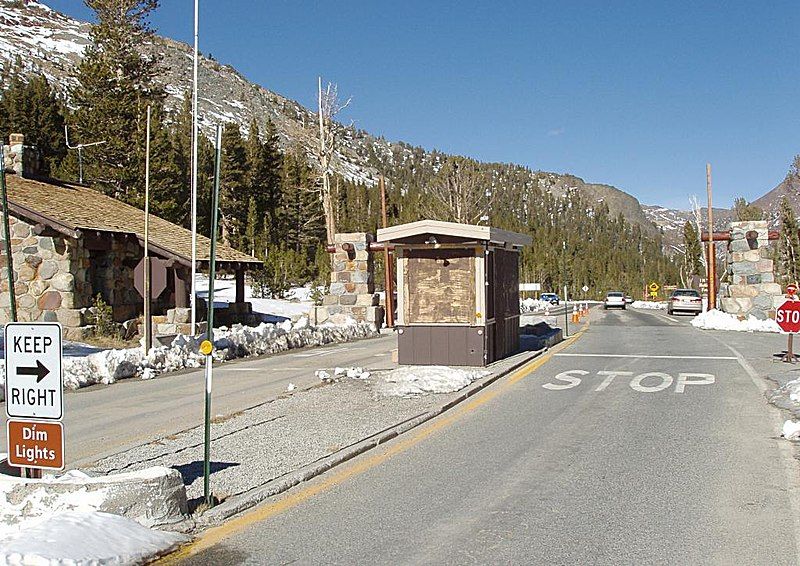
[(712, 256), (181, 292), (240, 285), (387, 265)]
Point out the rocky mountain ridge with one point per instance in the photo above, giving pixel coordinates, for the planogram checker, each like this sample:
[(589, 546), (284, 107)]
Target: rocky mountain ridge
[(51, 43)]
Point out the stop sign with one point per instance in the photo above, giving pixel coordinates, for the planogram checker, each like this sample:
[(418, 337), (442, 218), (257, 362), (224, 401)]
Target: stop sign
[(788, 316)]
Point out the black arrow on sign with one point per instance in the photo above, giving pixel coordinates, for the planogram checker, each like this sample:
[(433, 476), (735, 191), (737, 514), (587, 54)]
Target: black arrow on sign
[(39, 371)]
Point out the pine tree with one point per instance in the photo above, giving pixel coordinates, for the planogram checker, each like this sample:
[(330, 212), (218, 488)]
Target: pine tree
[(234, 189), (693, 251), (115, 85), (32, 108), (251, 228), (789, 246), (743, 211)]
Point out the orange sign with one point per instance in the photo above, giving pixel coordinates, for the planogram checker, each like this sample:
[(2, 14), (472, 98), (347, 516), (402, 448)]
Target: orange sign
[(35, 444)]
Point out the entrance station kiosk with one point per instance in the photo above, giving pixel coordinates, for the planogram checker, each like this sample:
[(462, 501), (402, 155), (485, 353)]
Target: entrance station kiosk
[(457, 292)]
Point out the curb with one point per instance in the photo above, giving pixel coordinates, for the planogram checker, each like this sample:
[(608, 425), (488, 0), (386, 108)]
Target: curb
[(251, 498)]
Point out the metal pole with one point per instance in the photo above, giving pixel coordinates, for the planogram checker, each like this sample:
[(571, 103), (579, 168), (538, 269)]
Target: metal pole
[(7, 235), (210, 319), (148, 321), (80, 165), (388, 268), (193, 197), (712, 258), (566, 298)]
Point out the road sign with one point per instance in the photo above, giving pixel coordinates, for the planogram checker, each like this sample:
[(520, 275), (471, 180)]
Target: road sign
[(791, 289), (530, 286), (158, 276), (585, 288), (788, 316), (35, 444), (33, 370), (653, 287)]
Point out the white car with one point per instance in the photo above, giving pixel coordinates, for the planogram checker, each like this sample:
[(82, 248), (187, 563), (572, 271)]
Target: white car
[(614, 300)]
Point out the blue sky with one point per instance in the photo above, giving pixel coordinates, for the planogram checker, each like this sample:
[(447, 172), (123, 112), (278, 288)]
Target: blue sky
[(635, 94)]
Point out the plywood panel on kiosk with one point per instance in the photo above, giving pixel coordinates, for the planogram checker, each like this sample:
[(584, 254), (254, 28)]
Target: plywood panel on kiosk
[(439, 286)]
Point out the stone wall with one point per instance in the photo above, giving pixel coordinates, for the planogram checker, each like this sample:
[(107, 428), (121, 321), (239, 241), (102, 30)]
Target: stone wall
[(752, 289), (352, 291), (45, 273)]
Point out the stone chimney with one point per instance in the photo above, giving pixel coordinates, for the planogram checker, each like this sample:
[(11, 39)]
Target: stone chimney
[(23, 160)]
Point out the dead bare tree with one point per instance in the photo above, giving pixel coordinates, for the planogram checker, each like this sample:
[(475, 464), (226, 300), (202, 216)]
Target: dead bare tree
[(329, 107), (458, 193), (697, 215)]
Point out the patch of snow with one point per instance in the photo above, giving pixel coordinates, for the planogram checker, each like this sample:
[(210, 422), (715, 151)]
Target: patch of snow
[(653, 305), (414, 381), (296, 304), (718, 320), (791, 430), (86, 537)]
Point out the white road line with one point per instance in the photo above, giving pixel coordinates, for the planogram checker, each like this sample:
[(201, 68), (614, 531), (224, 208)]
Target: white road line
[(646, 356), (320, 353), (265, 369)]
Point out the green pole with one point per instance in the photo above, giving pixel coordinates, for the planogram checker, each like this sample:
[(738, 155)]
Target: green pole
[(7, 235), (566, 297), (212, 264)]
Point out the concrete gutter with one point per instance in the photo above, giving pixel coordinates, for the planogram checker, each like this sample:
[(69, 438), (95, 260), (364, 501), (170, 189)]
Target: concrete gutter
[(239, 503)]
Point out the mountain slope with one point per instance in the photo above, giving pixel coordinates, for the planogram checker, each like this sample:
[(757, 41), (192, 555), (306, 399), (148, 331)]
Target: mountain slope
[(51, 43)]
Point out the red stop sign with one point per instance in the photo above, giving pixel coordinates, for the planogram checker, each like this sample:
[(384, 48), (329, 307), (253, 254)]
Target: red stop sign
[(788, 316)]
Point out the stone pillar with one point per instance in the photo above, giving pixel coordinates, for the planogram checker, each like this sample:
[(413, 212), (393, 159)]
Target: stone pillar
[(352, 291), (752, 289), (23, 160)]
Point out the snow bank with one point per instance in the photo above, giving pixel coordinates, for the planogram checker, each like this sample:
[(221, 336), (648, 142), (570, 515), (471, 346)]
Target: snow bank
[(791, 430), (718, 320), (534, 305), (239, 341), (296, 304), (86, 537), (655, 305), (414, 381)]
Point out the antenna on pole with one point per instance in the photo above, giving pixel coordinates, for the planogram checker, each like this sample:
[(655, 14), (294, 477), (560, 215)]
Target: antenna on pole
[(79, 147)]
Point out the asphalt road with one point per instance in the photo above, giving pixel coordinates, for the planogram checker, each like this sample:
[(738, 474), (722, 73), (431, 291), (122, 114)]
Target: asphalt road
[(644, 442), (102, 420)]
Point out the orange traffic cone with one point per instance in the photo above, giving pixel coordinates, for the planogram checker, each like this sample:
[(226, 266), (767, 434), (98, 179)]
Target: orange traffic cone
[(575, 314)]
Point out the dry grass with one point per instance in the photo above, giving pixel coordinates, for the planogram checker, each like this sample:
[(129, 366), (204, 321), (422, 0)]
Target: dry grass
[(109, 342)]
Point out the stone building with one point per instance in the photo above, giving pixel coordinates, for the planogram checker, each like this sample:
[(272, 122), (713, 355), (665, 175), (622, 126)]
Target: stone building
[(70, 243)]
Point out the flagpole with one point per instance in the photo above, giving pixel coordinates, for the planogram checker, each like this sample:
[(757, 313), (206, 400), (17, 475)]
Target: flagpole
[(192, 299)]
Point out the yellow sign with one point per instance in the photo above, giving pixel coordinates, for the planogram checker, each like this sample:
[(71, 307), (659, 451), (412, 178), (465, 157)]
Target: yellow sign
[(654, 287), (205, 347)]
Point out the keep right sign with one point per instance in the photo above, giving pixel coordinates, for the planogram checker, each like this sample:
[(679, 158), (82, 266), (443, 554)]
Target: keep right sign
[(788, 316)]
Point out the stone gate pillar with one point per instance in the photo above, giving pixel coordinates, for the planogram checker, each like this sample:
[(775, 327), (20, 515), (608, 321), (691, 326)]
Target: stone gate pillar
[(752, 289), (352, 290)]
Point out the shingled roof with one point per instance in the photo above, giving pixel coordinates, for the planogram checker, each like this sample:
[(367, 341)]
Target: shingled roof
[(74, 209)]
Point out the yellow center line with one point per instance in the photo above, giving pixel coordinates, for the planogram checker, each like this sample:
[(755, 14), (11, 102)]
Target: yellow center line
[(217, 534)]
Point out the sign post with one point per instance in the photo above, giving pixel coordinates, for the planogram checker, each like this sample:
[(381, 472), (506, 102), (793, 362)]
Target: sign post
[(787, 316), (653, 287), (34, 395)]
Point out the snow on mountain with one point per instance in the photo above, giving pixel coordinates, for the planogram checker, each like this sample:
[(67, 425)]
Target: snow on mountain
[(52, 43)]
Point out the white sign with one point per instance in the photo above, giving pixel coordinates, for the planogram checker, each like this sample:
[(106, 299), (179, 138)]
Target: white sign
[(585, 288), (33, 370), (530, 286)]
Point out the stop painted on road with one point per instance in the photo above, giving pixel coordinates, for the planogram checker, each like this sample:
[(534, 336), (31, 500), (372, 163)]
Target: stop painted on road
[(646, 382)]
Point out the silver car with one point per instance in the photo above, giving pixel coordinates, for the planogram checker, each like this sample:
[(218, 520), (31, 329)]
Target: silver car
[(685, 300), (615, 300)]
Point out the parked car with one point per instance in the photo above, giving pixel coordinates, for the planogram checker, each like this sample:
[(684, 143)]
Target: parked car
[(614, 299), (685, 300), (551, 298), (628, 299)]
